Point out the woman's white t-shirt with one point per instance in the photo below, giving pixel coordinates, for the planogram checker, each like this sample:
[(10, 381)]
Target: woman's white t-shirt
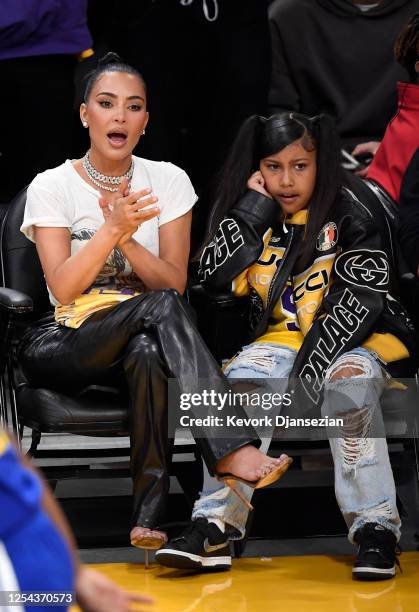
[(61, 198)]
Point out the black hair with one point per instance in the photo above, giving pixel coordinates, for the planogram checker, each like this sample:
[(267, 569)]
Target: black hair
[(406, 48), (260, 137), (111, 62)]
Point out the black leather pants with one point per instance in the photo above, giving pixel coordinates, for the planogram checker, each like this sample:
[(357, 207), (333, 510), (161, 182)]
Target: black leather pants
[(148, 424), (145, 339)]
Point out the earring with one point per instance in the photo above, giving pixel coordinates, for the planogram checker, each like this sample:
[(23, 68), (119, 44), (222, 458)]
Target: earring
[(84, 124), (144, 131)]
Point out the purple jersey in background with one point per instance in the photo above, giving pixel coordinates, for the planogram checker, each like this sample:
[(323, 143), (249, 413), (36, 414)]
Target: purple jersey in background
[(43, 27)]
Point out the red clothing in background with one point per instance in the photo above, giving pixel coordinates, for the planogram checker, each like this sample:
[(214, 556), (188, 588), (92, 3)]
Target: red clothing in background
[(399, 144)]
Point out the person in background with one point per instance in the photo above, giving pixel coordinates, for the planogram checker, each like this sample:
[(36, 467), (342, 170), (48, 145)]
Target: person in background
[(409, 214), (402, 134), (40, 43), (336, 57), (37, 548)]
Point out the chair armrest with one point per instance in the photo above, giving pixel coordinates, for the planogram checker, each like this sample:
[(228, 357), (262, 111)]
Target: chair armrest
[(221, 299), (408, 279), (15, 301), (222, 320)]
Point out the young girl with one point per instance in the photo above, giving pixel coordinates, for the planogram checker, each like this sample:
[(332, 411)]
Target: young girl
[(310, 256), (112, 231)]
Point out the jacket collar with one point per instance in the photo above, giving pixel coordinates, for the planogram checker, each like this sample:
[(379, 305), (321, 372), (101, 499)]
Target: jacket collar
[(298, 218)]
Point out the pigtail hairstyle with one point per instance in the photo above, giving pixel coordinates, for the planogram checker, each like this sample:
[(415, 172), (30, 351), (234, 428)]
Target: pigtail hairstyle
[(240, 164), (260, 137), (406, 48)]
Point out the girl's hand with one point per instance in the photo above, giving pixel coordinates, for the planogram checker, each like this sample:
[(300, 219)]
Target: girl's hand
[(128, 212), (257, 183)]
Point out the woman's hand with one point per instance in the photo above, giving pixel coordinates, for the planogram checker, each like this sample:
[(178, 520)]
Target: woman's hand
[(257, 183), (68, 275), (127, 212), (107, 205)]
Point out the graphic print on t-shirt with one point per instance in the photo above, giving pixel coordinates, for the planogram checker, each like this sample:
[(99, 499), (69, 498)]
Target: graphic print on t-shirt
[(117, 272), (296, 307)]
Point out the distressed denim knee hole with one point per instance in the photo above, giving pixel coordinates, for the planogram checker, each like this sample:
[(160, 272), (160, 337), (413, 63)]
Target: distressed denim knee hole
[(357, 447), (256, 358)]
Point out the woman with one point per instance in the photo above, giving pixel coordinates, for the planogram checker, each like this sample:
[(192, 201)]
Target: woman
[(112, 233), (310, 256)]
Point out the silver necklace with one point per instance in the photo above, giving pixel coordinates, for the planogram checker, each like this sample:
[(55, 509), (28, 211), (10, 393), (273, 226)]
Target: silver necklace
[(103, 180)]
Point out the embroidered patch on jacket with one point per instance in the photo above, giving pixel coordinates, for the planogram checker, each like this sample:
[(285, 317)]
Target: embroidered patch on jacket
[(227, 240), (364, 268), (328, 237)]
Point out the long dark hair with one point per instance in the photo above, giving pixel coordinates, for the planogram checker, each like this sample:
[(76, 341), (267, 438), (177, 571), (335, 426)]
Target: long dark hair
[(406, 48), (260, 137)]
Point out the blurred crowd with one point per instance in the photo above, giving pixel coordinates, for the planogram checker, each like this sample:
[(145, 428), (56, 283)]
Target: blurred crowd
[(209, 64)]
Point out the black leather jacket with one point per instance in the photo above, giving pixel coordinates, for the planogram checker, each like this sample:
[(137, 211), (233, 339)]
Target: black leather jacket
[(359, 299)]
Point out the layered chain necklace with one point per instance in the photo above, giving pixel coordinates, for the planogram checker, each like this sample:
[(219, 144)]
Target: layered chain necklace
[(103, 181)]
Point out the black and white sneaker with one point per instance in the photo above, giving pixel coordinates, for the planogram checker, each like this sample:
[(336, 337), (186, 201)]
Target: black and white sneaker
[(377, 553), (201, 546)]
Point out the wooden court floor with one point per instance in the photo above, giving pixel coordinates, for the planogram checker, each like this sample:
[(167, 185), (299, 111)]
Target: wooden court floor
[(288, 584)]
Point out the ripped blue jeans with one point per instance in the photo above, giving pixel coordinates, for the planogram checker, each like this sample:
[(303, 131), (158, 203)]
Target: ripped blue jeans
[(364, 484)]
